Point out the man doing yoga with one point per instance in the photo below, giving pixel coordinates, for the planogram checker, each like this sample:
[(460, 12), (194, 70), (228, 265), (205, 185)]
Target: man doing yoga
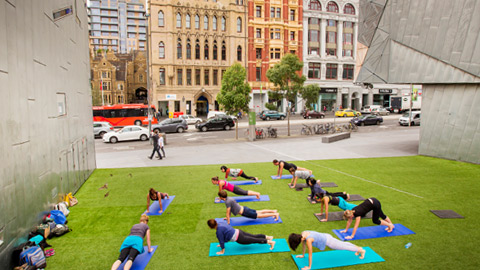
[(285, 165), (237, 209)]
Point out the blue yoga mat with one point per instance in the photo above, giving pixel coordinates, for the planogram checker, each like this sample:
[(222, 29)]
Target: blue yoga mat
[(374, 232), (234, 248), (242, 183), (337, 258), (141, 260), (285, 176), (243, 221), (263, 198), (155, 207)]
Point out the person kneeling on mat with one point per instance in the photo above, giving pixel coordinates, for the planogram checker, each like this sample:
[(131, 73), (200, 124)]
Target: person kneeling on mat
[(234, 173), (361, 210), (222, 184), (237, 209), (133, 244), (320, 240), (339, 201), (227, 233), (156, 196)]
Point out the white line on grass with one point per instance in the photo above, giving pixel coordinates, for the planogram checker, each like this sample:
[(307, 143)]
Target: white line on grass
[(347, 174)]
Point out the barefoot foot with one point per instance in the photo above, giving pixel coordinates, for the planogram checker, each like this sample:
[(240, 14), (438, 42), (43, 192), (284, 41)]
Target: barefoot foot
[(362, 253), (272, 244)]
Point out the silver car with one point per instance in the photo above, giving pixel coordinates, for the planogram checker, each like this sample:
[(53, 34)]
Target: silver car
[(190, 119), (171, 125), (100, 128)]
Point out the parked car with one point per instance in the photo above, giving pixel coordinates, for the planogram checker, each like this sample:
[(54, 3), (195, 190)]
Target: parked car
[(171, 125), (224, 122), (267, 115), (370, 119), (347, 112), (212, 114), (100, 128), (403, 121), (369, 108), (380, 111), (128, 133), (190, 119), (313, 114)]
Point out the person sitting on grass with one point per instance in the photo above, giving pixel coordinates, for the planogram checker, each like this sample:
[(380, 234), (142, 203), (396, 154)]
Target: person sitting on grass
[(223, 184), (156, 196), (237, 209), (234, 173), (227, 233), (320, 240), (285, 165), (133, 244), (370, 204), (302, 174), (339, 201), (318, 192)]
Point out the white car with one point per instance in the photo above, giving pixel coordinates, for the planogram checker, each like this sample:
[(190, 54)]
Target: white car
[(127, 133), (415, 118), (213, 114), (190, 119)]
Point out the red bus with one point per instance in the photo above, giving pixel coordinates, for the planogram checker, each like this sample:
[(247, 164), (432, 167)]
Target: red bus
[(123, 114)]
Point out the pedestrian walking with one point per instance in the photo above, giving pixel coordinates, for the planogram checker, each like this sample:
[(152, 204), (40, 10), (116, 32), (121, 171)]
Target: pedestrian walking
[(161, 144), (156, 147)]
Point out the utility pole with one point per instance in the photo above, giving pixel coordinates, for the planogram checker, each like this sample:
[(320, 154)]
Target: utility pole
[(149, 94)]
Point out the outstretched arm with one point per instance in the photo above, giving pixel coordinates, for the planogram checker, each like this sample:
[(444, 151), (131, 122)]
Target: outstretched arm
[(280, 170), (294, 181), (357, 222), (324, 202), (150, 249), (228, 214), (309, 245), (349, 221), (148, 204), (159, 197)]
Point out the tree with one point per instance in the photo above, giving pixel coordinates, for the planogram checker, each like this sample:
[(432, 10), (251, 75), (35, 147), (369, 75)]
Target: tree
[(285, 76), (310, 94), (234, 95)]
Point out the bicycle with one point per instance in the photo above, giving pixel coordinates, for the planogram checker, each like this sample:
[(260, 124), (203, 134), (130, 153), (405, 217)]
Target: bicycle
[(259, 133), (306, 130), (350, 127), (272, 132)]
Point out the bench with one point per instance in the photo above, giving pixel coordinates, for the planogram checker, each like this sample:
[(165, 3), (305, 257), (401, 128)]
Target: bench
[(335, 137)]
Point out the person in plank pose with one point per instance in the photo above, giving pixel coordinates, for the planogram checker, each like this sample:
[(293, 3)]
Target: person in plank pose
[(236, 209), (234, 173), (339, 201), (302, 174), (133, 244), (156, 196), (285, 165), (370, 204), (320, 240), (223, 184), (318, 192), (227, 233)]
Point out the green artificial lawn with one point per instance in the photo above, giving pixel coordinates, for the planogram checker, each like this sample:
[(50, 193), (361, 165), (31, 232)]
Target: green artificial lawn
[(408, 187)]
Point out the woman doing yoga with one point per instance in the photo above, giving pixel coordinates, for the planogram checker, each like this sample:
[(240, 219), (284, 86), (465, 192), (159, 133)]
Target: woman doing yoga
[(222, 184), (155, 196), (234, 173), (339, 201)]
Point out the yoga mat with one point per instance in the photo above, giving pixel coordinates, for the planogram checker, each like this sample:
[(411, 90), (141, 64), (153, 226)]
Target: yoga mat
[(234, 248), (336, 216), (374, 232), (263, 198), (141, 260), (328, 184), (243, 221), (337, 258), (355, 197), (446, 214), (155, 207), (287, 176), (242, 183)]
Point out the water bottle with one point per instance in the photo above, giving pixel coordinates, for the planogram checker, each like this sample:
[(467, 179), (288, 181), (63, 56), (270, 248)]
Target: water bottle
[(408, 245)]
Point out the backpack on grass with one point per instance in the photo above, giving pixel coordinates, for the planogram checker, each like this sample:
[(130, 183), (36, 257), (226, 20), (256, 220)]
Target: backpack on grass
[(33, 256)]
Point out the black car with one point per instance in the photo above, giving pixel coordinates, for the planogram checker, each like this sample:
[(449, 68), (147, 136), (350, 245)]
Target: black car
[(367, 120), (225, 123)]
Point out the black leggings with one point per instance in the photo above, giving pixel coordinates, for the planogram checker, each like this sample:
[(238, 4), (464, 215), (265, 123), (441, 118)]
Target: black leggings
[(239, 191), (377, 211), (245, 238), (246, 176), (130, 252)]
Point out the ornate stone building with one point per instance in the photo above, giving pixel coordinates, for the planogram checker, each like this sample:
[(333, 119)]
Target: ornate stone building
[(192, 43)]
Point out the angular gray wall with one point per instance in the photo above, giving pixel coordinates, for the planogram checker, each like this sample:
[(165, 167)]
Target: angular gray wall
[(450, 127), (44, 154)]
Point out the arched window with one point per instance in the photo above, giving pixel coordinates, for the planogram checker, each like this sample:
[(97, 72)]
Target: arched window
[(179, 49), (239, 53), (215, 50), (349, 9), (205, 22), (315, 5), (161, 50), (224, 51), (332, 7), (224, 23), (189, 50), (187, 21), (239, 25), (197, 49), (205, 50), (197, 22), (161, 19), (214, 23), (179, 20)]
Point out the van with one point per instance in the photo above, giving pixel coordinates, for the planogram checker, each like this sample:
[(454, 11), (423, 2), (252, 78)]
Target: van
[(369, 108), (403, 121)]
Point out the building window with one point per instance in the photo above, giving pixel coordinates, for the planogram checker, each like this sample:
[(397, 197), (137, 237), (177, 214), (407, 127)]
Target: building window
[(224, 51), (161, 19), (215, 77), (275, 33), (258, 53), (224, 23), (315, 5), (313, 50), (258, 11), (275, 53), (331, 71), (179, 76), (331, 37), (206, 77), (279, 12), (215, 50), (179, 49), (331, 52), (162, 76), (332, 23), (314, 70), (189, 50), (197, 50), (258, 32), (272, 12), (161, 50), (197, 22), (197, 76), (214, 23), (292, 35), (349, 9), (258, 74), (189, 77), (188, 21), (205, 50), (348, 72), (239, 53), (205, 22), (292, 14), (314, 21), (347, 38), (347, 24), (239, 25), (348, 53), (179, 20), (332, 7), (314, 35)]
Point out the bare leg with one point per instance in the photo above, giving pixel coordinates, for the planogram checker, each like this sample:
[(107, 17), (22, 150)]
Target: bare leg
[(266, 211), (269, 237), (265, 215), (128, 265), (387, 223), (271, 243), (116, 264), (253, 193)]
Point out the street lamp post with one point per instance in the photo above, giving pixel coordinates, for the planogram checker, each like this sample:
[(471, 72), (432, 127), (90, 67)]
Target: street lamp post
[(149, 94)]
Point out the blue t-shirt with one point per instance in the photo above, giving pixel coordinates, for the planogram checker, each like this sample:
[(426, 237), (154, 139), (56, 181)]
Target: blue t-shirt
[(345, 205), (225, 232), (319, 239)]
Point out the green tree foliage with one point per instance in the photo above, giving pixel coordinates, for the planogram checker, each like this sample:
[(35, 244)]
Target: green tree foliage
[(234, 95), (310, 94), (286, 76)]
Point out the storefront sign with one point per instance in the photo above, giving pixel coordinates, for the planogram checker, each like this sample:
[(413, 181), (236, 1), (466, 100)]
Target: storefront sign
[(170, 97), (328, 90), (385, 91)]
